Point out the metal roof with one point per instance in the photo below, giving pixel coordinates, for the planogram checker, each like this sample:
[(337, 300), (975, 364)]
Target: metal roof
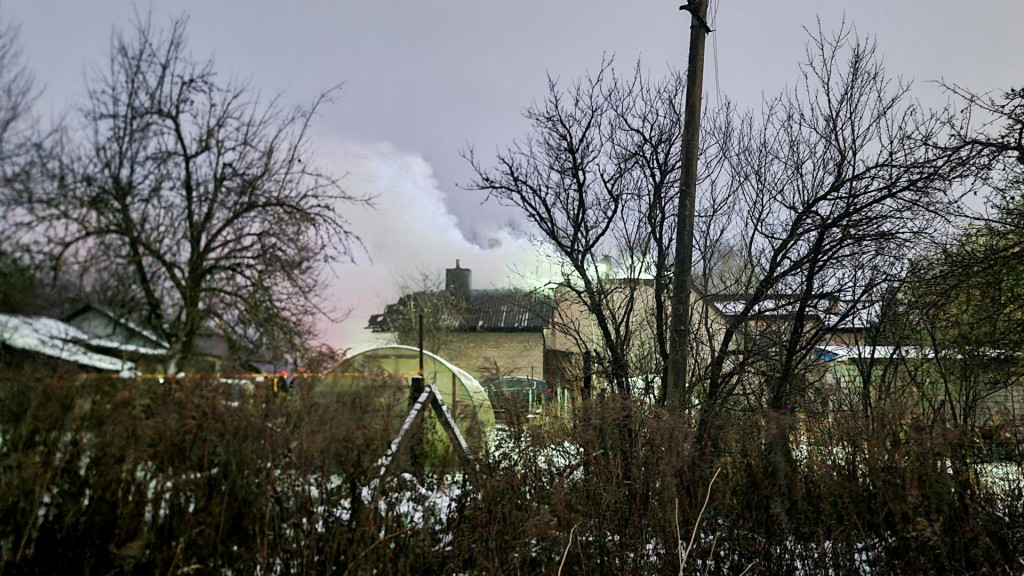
[(483, 311)]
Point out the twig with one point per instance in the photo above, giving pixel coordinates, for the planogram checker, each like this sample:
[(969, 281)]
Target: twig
[(696, 525), (707, 567), (749, 566), (679, 541), (374, 545), (567, 546)]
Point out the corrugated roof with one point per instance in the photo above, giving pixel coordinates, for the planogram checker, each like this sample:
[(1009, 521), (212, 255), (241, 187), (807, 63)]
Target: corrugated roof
[(484, 311), (506, 310)]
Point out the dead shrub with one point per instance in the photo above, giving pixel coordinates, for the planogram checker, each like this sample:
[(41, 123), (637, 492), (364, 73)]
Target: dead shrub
[(103, 476)]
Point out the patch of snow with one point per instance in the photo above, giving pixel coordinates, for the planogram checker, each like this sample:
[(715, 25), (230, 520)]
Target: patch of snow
[(843, 353), (124, 347)]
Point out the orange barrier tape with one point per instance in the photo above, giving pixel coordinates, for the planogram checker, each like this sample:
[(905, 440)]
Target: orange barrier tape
[(253, 375)]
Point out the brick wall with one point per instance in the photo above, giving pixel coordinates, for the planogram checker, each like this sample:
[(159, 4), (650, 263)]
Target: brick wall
[(514, 352)]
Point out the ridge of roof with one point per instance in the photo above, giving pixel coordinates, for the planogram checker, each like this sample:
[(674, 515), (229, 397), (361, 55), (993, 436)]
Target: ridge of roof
[(494, 310)]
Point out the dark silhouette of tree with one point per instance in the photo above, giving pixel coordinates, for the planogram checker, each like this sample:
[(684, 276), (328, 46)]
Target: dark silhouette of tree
[(840, 183), (193, 202), (20, 137), (18, 130), (597, 175), (423, 294), (961, 309)]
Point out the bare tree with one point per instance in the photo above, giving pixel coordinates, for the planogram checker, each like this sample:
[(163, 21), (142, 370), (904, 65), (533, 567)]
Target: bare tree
[(959, 313), (20, 136), (840, 181), (18, 131), (993, 133), (597, 176), (423, 294), (193, 202)]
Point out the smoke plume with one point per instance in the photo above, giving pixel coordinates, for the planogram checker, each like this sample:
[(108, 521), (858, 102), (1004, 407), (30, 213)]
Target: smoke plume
[(410, 233)]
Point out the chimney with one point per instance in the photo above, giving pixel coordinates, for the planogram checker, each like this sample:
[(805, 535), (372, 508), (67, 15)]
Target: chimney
[(458, 281)]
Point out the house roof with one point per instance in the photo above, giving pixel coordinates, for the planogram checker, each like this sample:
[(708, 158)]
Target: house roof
[(830, 353), (838, 314), (53, 338), (158, 342), (118, 346), (208, 342), (773, 305), (483, 311)]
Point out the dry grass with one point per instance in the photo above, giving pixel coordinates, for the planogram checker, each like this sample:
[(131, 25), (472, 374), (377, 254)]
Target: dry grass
[(104, 476)]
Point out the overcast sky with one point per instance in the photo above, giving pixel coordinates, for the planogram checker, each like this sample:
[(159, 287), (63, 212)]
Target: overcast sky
[(424, 80)]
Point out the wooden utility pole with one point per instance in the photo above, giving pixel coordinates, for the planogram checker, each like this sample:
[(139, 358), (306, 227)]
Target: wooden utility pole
[(682, 281)]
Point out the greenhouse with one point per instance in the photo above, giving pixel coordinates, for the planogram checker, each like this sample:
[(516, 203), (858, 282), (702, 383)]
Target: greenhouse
[(465, 397)]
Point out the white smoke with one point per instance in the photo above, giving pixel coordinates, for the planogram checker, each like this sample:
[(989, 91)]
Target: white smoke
[(410, 232)]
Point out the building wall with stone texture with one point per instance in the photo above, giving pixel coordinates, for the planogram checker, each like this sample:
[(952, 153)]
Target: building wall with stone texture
[(483, 353)]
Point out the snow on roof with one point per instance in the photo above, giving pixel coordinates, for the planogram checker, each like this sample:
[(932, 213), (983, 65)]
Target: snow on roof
[(124, 347), (52, 328), (845, 353), (865, 315), (770, 306), (839, 314), (55, 339), (842, 353)]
